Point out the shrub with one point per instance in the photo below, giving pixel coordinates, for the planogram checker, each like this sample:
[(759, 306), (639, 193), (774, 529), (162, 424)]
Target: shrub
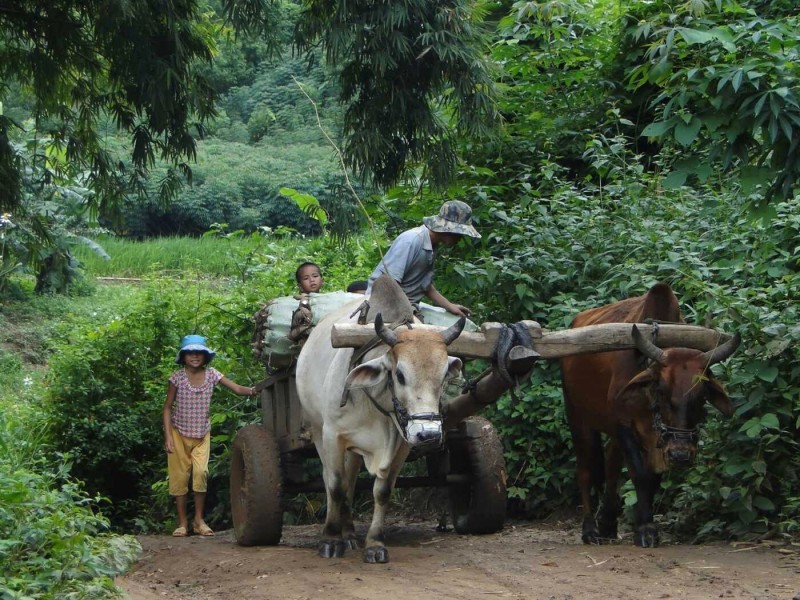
[(104, 402), (551, 258), (53, 541), (108, 386), (54, 544)]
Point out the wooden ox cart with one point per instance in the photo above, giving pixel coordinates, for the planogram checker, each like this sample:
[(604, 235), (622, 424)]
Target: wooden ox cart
[(268, 459)]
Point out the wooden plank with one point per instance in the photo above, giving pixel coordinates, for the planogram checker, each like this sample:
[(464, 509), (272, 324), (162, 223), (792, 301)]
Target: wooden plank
[(281, 408), (551, 344)]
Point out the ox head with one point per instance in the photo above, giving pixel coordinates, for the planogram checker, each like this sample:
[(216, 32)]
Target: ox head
[(669, 397), (407, 381)]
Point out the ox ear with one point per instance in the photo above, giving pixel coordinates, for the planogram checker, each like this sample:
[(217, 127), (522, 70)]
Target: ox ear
[(718, 397), (631, 394), (368, 374), (453, 367)]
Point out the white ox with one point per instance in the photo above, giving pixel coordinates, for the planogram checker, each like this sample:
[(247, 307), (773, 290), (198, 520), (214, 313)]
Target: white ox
[(375, 413)]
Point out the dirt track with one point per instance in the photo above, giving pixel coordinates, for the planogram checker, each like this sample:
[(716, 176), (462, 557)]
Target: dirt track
[(525, 561)]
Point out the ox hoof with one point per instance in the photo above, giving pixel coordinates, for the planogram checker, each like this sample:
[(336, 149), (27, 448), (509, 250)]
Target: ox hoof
[(331, 548), (646, 536), (376, 554), (608, 531), (589, 534), (352, 543), (591, 537)]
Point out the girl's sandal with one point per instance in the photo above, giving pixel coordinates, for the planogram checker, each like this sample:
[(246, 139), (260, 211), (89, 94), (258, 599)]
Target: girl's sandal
[(203, 529), (180, 532)]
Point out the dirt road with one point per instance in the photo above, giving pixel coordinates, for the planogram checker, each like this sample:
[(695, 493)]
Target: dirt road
[(525, 561)]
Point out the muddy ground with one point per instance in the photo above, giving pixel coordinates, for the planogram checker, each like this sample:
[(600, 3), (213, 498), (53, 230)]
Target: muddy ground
[(541, 561)]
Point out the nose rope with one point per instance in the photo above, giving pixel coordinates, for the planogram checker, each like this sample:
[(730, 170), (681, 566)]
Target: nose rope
[(392, 415), (667, 433), (399, 414)]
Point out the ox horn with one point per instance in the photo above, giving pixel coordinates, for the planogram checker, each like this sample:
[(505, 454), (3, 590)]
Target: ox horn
[(722, 352), (646, 347), (452, 332), (386, 334)]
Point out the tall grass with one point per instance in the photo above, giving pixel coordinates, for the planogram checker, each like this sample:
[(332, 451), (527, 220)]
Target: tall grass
[(214, 256), (267, 260)]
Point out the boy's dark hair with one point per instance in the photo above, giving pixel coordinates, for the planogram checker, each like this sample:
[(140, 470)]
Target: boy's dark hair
[(304, 265), (359, 285)]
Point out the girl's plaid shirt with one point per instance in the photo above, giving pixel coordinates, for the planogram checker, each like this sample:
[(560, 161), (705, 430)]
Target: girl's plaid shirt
[(190, 411)]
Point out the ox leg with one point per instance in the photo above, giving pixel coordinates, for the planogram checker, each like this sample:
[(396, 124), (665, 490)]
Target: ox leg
[(375, 550), (339, 511), (610, 506), (352, 465), (589, 475), (645, 532)]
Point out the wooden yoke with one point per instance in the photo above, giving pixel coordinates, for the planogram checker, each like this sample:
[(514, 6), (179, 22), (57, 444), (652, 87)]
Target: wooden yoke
[(552, 344), (548, 344)]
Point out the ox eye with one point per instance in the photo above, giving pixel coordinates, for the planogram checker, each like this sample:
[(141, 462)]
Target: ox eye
[(401, 379)]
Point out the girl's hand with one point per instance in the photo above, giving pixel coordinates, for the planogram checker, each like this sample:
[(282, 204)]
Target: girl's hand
[(168, 445)]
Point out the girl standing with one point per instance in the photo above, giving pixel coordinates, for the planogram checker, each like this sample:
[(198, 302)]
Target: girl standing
[(187, 428)]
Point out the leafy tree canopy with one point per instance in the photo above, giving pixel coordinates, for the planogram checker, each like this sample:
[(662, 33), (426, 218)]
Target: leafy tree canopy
[(412, 75), (408, 70), (722, 86), (135, 62)]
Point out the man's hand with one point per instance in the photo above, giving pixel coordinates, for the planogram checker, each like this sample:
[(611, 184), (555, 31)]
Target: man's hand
[(439, 300), (458, 309)]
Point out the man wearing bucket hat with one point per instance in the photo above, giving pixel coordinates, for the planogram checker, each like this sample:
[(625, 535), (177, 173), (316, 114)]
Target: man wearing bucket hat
[(187, 428), (409, 260)]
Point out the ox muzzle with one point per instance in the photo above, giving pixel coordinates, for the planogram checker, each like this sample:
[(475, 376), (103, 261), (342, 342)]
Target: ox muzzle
[(679, 445), (423, 432)]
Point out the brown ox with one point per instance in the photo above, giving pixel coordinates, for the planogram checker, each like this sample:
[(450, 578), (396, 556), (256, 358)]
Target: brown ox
[(650, 412)]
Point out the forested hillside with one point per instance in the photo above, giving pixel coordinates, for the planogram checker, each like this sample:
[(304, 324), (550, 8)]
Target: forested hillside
[(603, 145)]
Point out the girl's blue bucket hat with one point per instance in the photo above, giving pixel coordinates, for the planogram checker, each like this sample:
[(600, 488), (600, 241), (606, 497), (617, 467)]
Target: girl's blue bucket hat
[(194, 343)]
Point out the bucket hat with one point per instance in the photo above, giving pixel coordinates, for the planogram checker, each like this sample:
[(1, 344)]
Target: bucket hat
[(454, 217), (194, 343)]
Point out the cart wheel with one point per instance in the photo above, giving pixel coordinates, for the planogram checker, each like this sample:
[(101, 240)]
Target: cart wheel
[(478, 506), (256, 487)]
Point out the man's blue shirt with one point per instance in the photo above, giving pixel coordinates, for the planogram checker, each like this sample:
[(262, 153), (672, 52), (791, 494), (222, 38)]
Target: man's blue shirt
[(409, 261)]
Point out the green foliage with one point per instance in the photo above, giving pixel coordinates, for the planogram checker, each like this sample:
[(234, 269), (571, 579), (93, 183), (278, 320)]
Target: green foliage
[(308, 204), (556, 86), (41, 237), (724, 90), (410, 74), (540, 461), (9, 261), (135, 62), (53, 544), (274, 106), (108, 382), (105, 396), (238, 185), (53, 541)]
